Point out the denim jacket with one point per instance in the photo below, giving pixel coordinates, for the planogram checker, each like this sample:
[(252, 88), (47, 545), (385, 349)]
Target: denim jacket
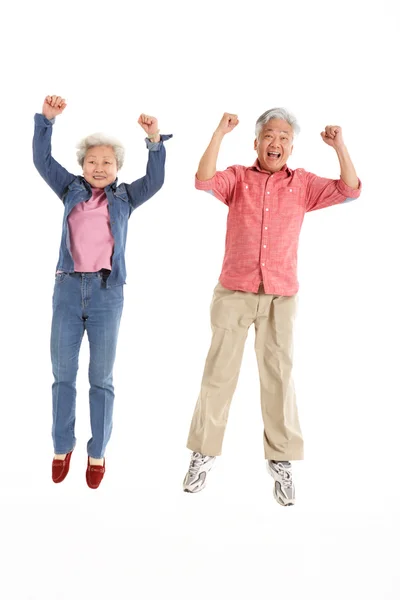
[(122, 198)]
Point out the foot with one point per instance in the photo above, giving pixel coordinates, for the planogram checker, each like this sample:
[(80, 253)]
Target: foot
[(60, 467), (195, 479), (95, 472), (96, 461), (284, 491)]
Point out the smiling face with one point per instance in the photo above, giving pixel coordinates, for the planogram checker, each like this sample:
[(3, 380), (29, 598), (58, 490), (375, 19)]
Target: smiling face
[(100, 166), (274, 145)]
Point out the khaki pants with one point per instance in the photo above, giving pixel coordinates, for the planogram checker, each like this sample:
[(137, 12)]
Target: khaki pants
[(232, 313)]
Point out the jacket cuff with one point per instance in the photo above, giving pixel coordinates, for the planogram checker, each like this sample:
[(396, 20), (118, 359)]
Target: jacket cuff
[(43, 121), (154, 146)]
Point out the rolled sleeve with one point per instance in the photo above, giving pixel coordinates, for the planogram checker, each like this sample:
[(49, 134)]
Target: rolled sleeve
[(221, 186), (347, 191), (43, 121), (155, 146), (323, 192)]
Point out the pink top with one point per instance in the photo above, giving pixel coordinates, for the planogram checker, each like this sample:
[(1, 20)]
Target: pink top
[(91, 240), (266, 212)]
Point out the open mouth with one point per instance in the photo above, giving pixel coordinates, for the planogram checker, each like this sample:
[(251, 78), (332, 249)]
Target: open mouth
[(274, 155)]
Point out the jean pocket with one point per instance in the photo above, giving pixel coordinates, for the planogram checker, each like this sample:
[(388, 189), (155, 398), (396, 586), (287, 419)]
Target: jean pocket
[(60, 277)]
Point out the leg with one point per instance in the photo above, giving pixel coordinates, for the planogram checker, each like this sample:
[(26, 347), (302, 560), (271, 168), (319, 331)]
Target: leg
[(274, 350), (232, 313), (102, 324), (66, 336)]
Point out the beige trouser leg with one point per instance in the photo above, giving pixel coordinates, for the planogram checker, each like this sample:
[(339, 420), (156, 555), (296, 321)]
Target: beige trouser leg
[(274, 350), (232, 313)]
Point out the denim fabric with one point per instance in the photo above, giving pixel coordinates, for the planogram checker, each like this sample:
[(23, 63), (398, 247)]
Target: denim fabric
[(122, 199), (82, 302)]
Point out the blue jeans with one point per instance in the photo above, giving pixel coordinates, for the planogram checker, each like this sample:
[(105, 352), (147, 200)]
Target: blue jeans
[(81, 302)]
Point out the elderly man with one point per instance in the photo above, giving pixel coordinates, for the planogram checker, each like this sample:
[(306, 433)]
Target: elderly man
[(258, 284)]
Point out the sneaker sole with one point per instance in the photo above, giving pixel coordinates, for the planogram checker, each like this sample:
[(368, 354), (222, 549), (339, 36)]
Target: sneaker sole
[(279, 501), (195, 490)]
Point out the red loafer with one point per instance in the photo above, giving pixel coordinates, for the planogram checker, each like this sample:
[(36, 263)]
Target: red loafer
[(94, 474), (60, 468)]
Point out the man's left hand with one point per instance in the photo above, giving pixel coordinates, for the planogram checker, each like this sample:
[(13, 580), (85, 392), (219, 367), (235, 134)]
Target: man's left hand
[(333, 136)]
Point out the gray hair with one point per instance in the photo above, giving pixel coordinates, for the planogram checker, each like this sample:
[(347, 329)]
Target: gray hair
[(99, 139), (277, 113)]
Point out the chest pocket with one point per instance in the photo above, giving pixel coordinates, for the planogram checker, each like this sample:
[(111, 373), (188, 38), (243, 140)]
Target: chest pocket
[(122, 205), (248, 198), (291, 201)]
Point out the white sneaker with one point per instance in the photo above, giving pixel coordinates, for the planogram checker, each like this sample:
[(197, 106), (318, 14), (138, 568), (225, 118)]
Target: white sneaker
[(195, 479), (284, 491)]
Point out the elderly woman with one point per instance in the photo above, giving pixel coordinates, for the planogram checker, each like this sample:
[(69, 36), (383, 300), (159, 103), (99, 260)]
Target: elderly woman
[(90, 274)]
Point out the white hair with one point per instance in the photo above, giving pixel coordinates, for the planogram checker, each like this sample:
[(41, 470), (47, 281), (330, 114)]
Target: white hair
[(277, 113), (100, 139)]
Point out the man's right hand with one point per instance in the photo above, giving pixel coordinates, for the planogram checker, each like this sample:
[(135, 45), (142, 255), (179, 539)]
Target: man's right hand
[(228, 122), (53, 106)]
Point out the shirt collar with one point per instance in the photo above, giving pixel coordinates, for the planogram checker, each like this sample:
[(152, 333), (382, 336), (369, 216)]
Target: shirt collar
[(285, 169)]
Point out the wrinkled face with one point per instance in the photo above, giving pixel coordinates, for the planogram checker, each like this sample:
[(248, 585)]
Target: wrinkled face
[(100, 166), (274, 145)]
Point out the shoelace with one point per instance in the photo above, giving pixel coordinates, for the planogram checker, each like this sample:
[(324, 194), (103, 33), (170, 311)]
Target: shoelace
[(196, 463), (285, 474)]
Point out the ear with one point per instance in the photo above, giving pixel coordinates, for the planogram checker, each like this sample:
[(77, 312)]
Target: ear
[(255, 144), (291, 150)]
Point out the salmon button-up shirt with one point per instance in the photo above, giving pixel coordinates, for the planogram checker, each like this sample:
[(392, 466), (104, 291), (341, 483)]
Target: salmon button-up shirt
[(266, 212)]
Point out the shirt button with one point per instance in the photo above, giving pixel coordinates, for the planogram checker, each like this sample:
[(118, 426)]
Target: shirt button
[(266, 227), (267, 209), (290, 190), (265, 246), (247, 187), (263, 264), (267, 192)]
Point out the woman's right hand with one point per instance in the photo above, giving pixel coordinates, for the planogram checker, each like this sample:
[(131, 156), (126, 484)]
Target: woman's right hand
[(53, 106)]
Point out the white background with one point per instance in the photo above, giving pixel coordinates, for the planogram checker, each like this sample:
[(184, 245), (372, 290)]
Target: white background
[(139, 536)]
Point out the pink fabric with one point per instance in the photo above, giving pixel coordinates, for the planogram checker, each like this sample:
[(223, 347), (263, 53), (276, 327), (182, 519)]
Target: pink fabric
[(91, 240), (266, 213)]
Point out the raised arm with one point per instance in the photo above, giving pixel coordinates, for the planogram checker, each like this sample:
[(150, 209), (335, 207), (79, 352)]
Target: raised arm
[(333, 137), (52, 172), (208, 163), (144, 188)]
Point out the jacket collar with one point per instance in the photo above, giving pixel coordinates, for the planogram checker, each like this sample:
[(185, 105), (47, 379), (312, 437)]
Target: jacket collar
[(80, 182)]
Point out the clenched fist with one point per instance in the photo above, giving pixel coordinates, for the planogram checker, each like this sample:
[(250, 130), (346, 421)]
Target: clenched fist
[(149, 124), (227, 123), (333, 136), (53, 106)]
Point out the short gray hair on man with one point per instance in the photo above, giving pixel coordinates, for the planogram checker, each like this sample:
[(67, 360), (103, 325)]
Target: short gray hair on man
[(277, 113), (100, 139)]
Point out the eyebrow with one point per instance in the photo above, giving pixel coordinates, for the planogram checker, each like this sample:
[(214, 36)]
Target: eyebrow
[(283, 131), (93, 156)]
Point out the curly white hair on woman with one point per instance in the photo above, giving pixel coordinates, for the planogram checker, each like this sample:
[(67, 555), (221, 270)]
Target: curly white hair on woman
[(100, 139)]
